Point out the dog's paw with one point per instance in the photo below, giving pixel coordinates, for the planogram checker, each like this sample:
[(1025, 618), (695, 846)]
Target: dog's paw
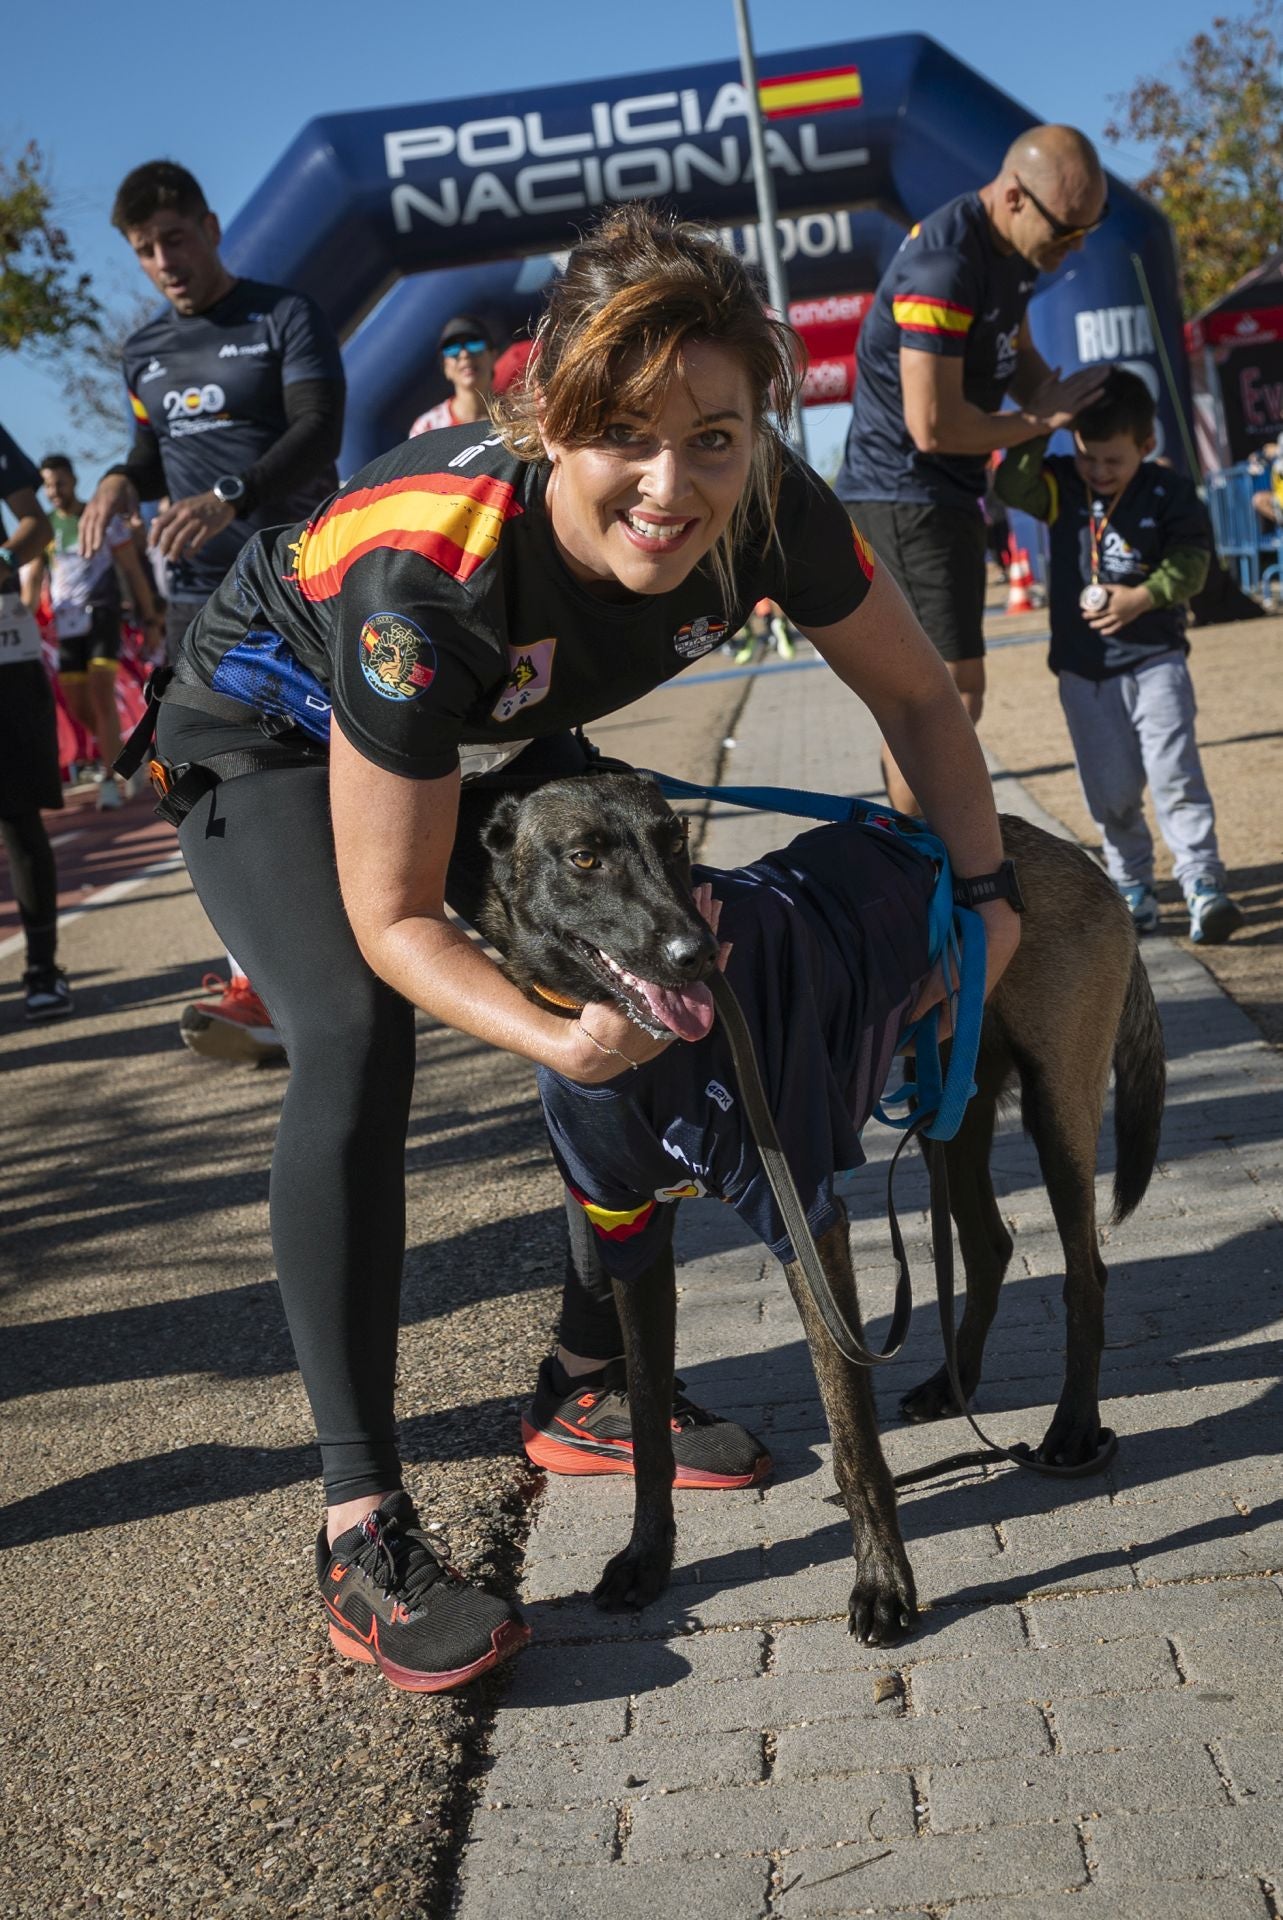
[(1073, 1438), (633, 1579), (883, 1606), (933, 1400)]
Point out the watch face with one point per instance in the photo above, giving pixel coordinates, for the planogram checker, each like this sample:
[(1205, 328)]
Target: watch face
[(230, 490)]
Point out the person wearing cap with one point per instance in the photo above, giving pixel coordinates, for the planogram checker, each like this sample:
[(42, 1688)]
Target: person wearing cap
[(467, 361)]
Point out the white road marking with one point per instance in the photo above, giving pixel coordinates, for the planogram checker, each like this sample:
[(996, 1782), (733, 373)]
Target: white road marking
[(65, 839)]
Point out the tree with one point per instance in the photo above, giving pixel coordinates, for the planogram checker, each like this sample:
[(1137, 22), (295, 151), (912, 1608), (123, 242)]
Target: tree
[(95, 381), (1217, 135), (44, 302)]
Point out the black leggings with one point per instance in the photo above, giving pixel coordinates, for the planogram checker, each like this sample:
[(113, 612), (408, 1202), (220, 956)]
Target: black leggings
[(261, 855), (35, 884)]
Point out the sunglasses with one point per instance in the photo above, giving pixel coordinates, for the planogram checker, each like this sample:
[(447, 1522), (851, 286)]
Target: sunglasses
[(453, 348), (1059, 230)]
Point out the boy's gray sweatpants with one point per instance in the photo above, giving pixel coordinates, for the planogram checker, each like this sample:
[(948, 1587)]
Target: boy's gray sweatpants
[(1133, 728)]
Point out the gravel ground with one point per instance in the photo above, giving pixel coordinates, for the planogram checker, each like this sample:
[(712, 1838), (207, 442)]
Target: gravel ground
[(176, 1737)]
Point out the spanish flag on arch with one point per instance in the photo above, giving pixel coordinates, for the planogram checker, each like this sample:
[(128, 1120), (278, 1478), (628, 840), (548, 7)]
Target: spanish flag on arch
[(788, 96)]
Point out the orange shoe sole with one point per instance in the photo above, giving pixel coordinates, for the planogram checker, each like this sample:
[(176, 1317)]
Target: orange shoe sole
[(554, 1457), (504, 1642)]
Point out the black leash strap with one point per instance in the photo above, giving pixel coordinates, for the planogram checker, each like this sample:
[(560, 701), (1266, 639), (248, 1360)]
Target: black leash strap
[(842, 1334), (762, 1122)]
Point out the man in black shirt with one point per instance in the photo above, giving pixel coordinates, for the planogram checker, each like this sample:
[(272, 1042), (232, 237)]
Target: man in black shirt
[(946, 342), (237, 394)]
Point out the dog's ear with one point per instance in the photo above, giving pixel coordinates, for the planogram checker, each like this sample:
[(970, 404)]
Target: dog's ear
[(500, 829)]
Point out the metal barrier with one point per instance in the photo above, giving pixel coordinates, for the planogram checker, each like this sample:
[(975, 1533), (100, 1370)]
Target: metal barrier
[(1240, 533)]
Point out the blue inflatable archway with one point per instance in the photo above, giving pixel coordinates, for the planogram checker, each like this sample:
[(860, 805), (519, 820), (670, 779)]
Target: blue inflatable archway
[(396, 218)]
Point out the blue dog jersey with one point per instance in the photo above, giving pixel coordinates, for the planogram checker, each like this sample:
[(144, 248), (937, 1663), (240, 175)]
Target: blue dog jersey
[(829, 945)]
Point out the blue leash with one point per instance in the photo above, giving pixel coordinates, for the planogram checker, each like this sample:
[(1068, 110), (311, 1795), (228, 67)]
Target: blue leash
[(934, 1103)]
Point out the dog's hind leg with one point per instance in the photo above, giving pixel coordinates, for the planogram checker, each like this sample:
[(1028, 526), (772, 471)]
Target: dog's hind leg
[(1065, 1134), (883, 1602), (985, 1246), (648, 1316)]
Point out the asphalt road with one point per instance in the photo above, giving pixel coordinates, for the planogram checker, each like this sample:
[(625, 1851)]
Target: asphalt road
[(176, 1736)]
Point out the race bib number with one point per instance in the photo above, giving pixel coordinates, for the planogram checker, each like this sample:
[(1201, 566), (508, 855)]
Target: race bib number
[(19, 634)]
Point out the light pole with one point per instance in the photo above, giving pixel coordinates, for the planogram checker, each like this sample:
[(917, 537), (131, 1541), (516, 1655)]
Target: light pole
[(776, 284)]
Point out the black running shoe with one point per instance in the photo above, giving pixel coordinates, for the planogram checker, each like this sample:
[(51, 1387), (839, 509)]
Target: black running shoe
[(394, 1603), (589, 1430), (47, 994)]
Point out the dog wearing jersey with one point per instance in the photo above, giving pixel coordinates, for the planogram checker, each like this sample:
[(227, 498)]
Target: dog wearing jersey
[(592, 897)]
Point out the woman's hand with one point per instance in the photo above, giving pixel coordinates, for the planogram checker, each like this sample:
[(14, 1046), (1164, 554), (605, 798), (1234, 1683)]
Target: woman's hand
[(1002, 937)]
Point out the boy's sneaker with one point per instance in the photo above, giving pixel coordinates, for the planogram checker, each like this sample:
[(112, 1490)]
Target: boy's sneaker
[(585, 1427), (47, 994), (110, 795), (1142, 904), (1213, 916), (234, 1026), (393, 1603)]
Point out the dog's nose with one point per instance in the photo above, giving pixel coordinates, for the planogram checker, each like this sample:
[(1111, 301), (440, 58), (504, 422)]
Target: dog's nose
[(688, 953)]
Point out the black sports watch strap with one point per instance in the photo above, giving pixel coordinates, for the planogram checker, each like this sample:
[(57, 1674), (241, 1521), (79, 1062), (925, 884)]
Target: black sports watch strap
[(982, 887)]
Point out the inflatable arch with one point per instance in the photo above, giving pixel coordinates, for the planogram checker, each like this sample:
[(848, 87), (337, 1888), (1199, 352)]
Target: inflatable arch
[(397, 218)]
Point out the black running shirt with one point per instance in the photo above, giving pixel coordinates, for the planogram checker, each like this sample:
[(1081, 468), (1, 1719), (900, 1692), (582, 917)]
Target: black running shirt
[(208, 389), (428, 603), (16, 471), (829, 940), (948, 291)]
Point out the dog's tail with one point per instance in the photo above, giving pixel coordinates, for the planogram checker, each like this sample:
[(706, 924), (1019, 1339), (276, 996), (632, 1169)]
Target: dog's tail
[(1140, 1084)]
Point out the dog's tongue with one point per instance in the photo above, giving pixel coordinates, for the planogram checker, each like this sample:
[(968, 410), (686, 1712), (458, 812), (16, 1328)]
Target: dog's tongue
[(685, 1011)]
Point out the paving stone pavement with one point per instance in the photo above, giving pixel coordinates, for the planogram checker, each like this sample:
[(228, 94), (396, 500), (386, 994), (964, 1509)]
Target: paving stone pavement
[(1086, 1723)]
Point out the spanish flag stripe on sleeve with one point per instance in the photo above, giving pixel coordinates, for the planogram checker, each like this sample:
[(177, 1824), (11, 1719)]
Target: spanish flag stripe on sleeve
[(1053, 495), (452, 522), (137, 408), (863, 553), (917, 314), (615, 1223)]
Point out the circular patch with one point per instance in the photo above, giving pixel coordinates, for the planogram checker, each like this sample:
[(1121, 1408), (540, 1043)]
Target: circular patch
[(397, 658)]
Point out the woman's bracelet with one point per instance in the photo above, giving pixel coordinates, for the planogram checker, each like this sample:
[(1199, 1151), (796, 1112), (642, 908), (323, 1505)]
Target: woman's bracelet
[(603, 1048)]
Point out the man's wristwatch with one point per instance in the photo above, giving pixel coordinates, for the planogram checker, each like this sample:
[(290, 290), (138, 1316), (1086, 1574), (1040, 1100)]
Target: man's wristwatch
[(231, 490), (983, 887)]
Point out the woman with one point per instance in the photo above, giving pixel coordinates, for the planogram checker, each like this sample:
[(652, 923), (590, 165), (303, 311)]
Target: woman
[(466, 600)]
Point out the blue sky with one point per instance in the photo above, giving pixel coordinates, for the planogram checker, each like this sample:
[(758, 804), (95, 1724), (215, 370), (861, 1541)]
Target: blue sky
[(225, 89)]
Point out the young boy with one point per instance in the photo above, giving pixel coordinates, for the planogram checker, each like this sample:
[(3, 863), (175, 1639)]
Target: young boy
[(1130, 544)]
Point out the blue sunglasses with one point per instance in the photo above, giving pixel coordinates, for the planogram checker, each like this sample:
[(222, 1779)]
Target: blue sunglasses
[(453, 348)]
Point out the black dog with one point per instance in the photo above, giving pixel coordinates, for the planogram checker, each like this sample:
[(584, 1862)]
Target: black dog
[(591, 899)]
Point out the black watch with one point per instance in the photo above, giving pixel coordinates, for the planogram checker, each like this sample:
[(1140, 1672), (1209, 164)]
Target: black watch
[(983, 887), (231, 490)]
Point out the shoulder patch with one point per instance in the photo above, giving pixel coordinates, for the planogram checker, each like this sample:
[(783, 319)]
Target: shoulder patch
[(397, 658)]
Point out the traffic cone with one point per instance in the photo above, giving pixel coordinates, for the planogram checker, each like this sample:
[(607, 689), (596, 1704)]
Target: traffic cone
[(1019, 599)]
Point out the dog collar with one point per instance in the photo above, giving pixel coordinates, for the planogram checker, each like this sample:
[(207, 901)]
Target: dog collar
[(557, 999)]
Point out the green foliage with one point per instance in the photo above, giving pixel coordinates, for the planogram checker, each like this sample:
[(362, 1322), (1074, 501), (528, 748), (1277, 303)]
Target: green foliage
[(43, 301), (1217, 135)]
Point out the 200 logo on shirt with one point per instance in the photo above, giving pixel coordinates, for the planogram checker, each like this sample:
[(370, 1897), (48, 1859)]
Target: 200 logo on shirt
[(190, 401)]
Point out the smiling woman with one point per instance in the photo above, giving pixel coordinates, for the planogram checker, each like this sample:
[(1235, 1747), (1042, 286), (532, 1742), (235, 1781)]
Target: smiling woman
[(471, 598)]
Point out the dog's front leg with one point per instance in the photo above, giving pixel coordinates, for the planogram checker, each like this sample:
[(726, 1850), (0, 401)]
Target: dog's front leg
[(883, 1603), (648, 1315)]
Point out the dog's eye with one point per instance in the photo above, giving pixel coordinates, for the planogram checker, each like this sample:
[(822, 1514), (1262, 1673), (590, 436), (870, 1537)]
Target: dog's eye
[(582, 858)]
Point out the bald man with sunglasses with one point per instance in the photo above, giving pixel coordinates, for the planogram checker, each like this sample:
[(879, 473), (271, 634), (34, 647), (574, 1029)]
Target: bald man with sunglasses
[(946, 343)]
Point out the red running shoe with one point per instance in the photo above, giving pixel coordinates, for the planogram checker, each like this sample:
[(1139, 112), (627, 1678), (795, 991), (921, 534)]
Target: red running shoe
[(235, 1026), (589, 1430), (393, 1603)]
